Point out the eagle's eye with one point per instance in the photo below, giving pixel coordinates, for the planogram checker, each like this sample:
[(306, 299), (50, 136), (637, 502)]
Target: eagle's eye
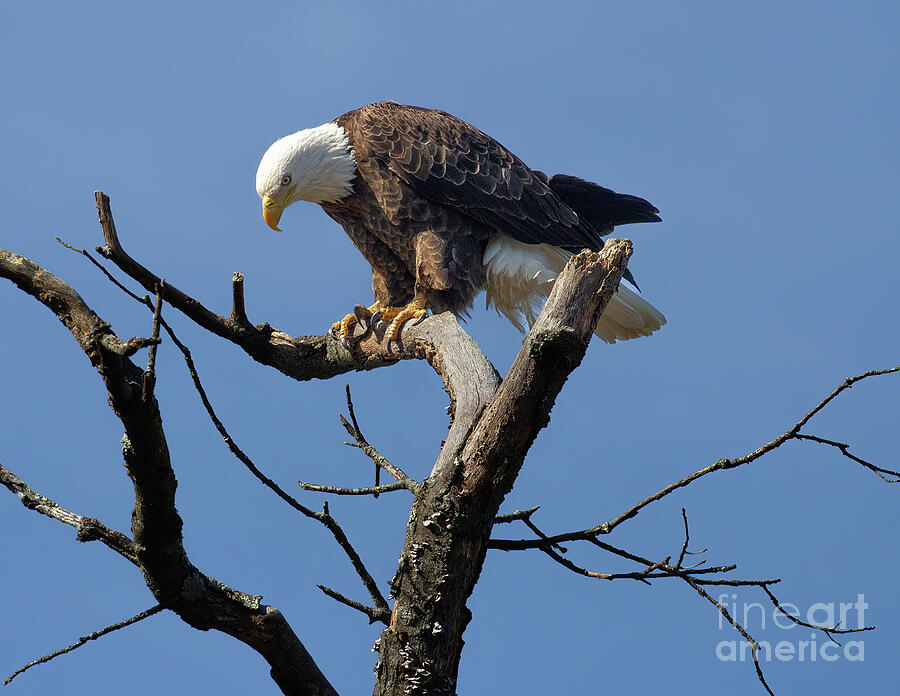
[(286, 179)]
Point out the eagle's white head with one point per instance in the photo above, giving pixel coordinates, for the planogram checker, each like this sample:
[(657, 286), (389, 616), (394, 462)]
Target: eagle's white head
[(314, 165)]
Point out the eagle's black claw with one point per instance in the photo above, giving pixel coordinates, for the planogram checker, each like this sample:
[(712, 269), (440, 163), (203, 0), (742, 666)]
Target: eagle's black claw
[(362, 316), (376, 318), (345, 342)]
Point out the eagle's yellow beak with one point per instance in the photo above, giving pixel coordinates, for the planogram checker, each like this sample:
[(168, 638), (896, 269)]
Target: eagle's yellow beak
[(272, 211)]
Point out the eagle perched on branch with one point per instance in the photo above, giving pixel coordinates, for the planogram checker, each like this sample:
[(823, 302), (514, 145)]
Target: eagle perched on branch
[(441, 211)]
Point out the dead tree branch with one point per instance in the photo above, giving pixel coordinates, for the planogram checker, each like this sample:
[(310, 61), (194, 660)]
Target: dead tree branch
[(371, 490), (361, 441), (303, 357), (825, 629), (721, 465), (375, 614), (200, 601), (88, 528), (693, 576), (322, 517), (845, 450), (738, 627), (86, 639), (516, 515), (380, 461)]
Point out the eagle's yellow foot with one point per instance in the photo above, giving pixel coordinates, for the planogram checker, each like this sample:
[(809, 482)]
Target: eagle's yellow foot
[(343, 329), (398, 316)]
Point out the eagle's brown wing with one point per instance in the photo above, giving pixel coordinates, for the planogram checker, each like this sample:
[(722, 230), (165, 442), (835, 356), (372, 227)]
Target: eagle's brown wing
[(450, 162)]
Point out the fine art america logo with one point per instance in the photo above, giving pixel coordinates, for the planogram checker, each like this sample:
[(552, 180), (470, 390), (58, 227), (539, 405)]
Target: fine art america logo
[(802, 644)]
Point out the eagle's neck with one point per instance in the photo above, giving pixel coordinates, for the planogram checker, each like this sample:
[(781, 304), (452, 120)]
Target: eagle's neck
[(322, 163)]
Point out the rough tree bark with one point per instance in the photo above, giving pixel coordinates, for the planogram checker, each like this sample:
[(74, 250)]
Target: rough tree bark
[(448, 533)]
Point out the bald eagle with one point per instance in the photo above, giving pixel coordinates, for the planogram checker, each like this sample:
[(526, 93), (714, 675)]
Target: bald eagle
[(441, 211)]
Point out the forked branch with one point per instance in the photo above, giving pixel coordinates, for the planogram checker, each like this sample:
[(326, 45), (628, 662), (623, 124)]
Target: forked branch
[(721, 465), (158, 547)]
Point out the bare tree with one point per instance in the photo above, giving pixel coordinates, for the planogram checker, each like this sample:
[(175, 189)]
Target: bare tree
[(454, 511)]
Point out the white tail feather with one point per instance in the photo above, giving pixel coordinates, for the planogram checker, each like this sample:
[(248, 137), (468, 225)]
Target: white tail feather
[(520, 277)]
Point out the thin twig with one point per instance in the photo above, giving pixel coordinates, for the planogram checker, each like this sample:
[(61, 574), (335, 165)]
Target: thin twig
[(663, 569), (652, 570), (84, 639), (356, 427), (539, 533), (516, 515), (846, 384), (84, 252), (825, 629), (371, 490), (844, 448), (380, 461), (722, 464), (740, 629), (148, 379), (324, 517), (229, 441), (383, 614), (687, 537), (566, 563)]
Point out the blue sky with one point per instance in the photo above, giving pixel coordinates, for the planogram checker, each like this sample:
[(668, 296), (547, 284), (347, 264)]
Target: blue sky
[(765, 133)]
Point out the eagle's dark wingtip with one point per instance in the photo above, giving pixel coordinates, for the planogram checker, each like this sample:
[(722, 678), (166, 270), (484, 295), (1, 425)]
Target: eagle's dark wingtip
[(602, 207)]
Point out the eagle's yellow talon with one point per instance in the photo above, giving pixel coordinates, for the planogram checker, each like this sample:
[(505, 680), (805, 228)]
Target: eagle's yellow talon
[(367, 317), (403, 316), (398, 316)]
